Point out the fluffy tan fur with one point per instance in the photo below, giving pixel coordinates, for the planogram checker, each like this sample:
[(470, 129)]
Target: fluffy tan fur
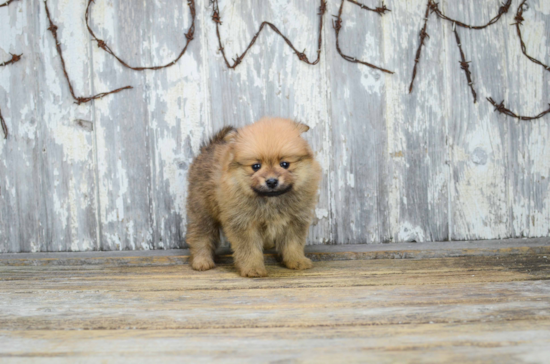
[(226, 192)]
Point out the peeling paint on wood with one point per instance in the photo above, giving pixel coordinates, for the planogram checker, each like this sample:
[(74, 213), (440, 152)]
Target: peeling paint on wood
[(429, 166)]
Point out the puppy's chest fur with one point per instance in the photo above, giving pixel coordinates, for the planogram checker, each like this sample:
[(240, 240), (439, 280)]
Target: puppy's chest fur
[(270, 214), (272, 224), (272, 231)]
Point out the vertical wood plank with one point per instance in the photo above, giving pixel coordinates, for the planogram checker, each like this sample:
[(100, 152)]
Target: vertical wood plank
[(20, 228), (477, 136), (66, 138), (417, 126), (52, 172), (359, 134), (179, 115), (122, 123), (528, 166)]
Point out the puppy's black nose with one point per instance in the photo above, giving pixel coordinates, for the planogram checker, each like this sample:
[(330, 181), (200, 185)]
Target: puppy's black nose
[(272, 183)]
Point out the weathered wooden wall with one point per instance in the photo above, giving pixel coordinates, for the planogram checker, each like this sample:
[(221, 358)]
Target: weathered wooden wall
[(428, 166)]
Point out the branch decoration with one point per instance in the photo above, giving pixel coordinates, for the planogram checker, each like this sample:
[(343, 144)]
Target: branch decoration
[(78, 99), (337, 25), (189, 36), (216, 18)]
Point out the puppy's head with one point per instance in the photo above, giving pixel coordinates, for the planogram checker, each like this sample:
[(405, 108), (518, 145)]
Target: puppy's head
[(270, 158)]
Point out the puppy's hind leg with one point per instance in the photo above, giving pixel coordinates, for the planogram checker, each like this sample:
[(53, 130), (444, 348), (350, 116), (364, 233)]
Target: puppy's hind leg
[(203, 237)]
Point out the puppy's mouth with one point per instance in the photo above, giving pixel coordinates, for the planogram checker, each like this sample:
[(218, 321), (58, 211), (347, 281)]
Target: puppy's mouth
[(271, 193)]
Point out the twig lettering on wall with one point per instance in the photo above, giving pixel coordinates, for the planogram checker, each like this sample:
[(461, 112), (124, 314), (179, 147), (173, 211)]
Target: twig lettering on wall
[(422, 35), (519, 22), (337, 25), (503, 110), (465, 65), (433, 7), (4, 126), (500, 107), (501, 11), (189, 36), (7, 3), (216, 18), (14, 58), (78, 100)]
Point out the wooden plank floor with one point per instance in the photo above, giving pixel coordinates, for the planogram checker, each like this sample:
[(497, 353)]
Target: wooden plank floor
[(473, 308)]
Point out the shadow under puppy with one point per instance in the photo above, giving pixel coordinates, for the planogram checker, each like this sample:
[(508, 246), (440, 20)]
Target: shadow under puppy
[(259, 184)]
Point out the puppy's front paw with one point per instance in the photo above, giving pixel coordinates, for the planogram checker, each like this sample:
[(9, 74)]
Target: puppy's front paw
[(252, 272), (299, 263), (202, 263)]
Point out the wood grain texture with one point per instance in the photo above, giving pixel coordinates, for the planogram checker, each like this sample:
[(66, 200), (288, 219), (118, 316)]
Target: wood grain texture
[(48, 184), (483, 308), (527, 206), (317, 253), (398, 167), (357, 114), (417, 127), (477, 140), (428, 343)]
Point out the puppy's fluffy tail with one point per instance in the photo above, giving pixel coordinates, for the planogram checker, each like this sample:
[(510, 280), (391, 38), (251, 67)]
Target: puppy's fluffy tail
[(219, 138)]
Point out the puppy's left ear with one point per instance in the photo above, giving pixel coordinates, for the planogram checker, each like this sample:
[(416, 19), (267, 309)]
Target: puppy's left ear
[(301, 127), (230, 136)]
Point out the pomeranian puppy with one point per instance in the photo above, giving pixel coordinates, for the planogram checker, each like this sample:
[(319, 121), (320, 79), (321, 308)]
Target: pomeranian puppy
[(259, 185)]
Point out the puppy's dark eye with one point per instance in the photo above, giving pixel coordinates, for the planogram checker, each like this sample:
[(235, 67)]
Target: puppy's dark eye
[(256, 167), (285, 165)]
